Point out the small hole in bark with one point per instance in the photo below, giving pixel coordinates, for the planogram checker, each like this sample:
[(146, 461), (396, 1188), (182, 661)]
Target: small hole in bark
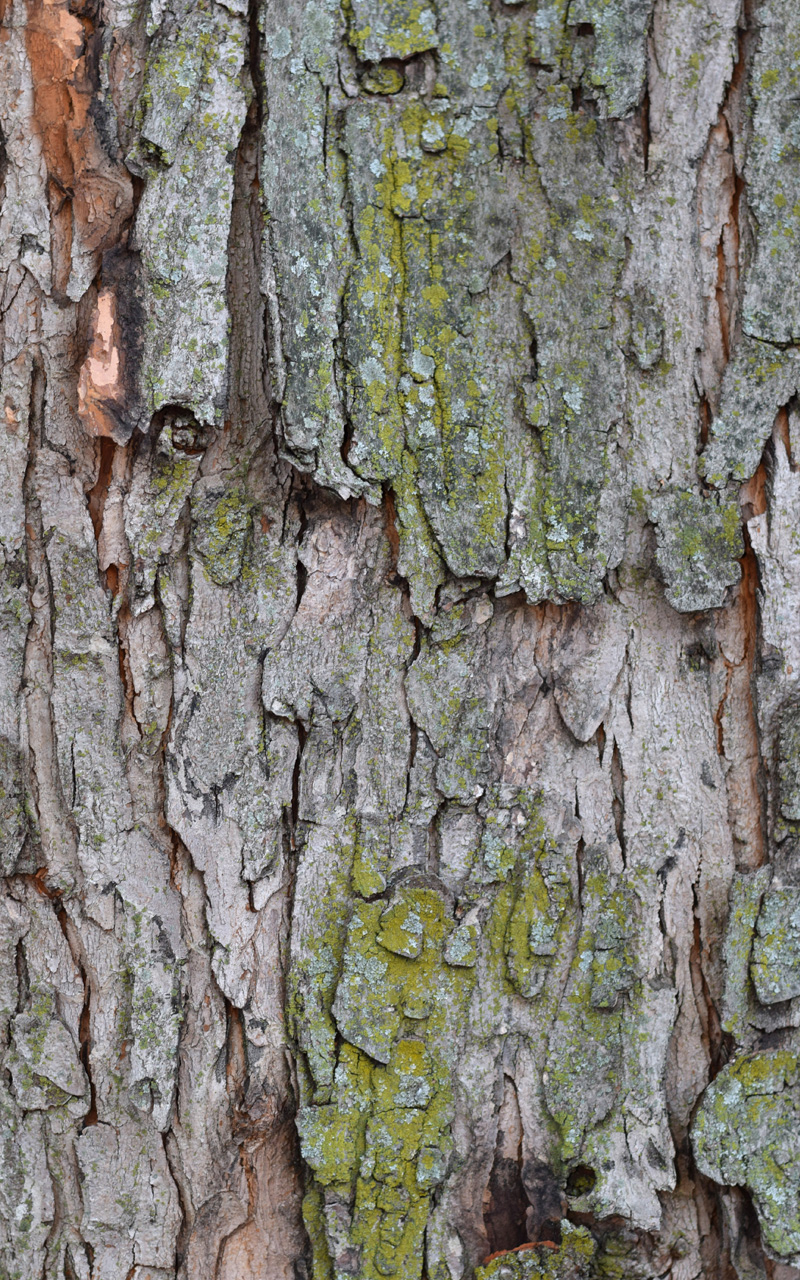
[(695, 657), (534, 352), (584, 29), (654, 1157), (187, 434), (581, 1181)]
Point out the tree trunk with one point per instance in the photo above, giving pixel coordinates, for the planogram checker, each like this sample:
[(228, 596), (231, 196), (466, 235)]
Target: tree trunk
[(400, 653)]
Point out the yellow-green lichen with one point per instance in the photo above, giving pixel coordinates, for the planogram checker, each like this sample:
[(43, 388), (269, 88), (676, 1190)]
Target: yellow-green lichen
[(382, 1144), (746, 1133)]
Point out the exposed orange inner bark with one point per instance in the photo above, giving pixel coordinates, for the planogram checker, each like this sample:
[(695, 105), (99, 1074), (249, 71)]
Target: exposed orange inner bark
[(90, 192), (100, 387)]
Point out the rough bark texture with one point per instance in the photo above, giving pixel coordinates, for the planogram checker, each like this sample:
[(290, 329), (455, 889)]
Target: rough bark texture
[(400, 652)]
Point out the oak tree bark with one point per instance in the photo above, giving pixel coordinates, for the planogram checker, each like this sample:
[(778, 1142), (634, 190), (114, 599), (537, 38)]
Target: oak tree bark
[(400, 653)]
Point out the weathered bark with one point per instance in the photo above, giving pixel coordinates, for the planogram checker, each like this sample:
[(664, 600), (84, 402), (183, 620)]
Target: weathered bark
[(399, 703)]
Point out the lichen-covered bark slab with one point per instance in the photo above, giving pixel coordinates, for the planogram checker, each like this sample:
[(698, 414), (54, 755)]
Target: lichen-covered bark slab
[(746, 1132), (191, 112)]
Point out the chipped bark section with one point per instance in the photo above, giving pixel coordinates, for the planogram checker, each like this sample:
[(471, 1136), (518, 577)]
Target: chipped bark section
[(399, 661), (89, 190)]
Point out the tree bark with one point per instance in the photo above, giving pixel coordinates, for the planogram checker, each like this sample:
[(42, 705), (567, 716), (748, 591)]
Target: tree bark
[(399, 702)]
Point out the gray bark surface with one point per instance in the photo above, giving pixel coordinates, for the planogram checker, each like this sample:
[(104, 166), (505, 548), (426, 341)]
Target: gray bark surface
[(399, 639)]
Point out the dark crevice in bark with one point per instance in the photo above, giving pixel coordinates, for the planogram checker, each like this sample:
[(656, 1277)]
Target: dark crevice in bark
[(783, 433), (3, 166), (724, 325), (235, 1054), (75, 945), (505, 1206), (97, 495), (23, 981), (254, 55), (175, 1166), (744, 1245), (88, 1249), (706, 417), (718, 1044), (722, 294), (300, 570), (753, 500), (579, 863), (348, 436), (618, 800), (393, 576), (433, 845), (581, 1180), (69, 1265), (507, 534), (302, 737), (715, 1244)]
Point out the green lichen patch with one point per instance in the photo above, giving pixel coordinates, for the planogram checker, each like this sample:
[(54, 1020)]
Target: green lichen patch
[(615, 965), (647, 329), (416, 373), (617, 63), (570, 1260), (416, 278), (43, 1059), (606, 1049), (315, 971), (386, 80), (220, 528), (789, 761), (745, 900), (772, 298), (513, 839), (541, 918), (747, 1133), (15, 815), (775, 967), (401, 930), (382, 1144), (698, 548), (758, 380), (191, 112), (391, 28), (576, 405), (461, 948)]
